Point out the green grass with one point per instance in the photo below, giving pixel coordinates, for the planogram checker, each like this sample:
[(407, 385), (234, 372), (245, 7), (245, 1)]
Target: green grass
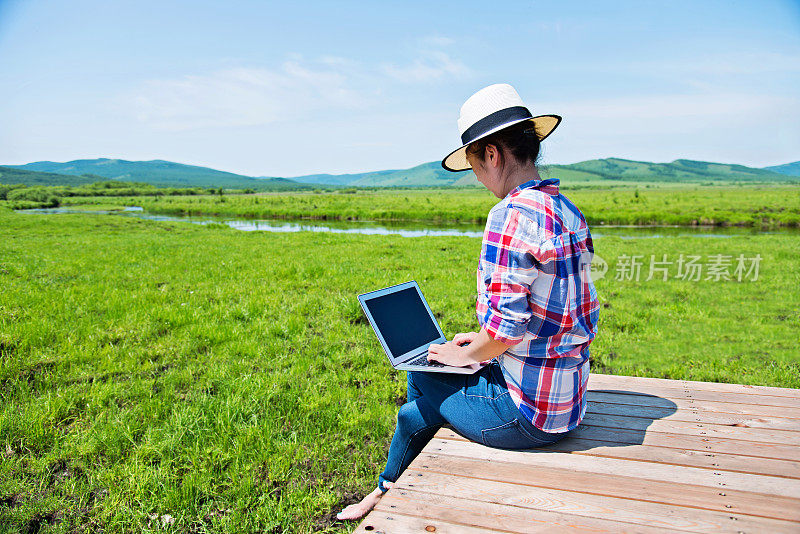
[(758, 206), (229, 379)]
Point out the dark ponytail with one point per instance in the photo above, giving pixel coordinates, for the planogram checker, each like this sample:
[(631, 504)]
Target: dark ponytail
[(521, 140)]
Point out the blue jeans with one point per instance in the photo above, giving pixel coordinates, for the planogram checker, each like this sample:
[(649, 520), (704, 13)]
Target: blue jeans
[(478, 406)]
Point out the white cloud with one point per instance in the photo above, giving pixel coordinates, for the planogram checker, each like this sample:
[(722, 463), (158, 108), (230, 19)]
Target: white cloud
[(701, 106), (242, 96), (747, 63), (432, 64), (713, 126), (437, 41), (298, 90)]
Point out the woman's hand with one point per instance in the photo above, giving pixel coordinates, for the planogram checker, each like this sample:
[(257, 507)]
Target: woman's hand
[(464, 337), (481, 347), (449, 354)]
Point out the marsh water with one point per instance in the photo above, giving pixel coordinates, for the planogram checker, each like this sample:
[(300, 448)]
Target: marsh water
[(415, 229)]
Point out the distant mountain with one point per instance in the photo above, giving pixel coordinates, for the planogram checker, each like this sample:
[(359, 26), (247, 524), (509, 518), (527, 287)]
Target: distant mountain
[(791, 169), (12, 175), (680, 170), (156, 172), (324, 179), (427, 174), (596, 170)]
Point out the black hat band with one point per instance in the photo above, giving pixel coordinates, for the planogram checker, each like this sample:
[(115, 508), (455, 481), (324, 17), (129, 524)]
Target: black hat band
[(495, 120)]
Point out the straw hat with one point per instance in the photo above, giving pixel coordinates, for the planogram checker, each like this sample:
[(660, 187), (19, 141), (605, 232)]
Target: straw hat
[(489, 110)]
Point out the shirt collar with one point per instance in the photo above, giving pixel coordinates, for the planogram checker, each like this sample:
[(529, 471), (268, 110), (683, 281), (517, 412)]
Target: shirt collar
[(549, 186)]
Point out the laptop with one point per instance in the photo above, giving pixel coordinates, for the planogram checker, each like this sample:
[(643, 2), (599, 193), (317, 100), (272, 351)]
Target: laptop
[(406, 327)]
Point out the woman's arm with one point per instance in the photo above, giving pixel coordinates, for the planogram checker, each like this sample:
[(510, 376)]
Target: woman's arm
[(481, 348)]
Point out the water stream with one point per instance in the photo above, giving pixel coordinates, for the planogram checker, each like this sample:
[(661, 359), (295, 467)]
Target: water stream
[(416, 229)]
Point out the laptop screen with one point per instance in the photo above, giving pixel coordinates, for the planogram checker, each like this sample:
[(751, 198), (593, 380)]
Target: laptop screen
[(403, 320)]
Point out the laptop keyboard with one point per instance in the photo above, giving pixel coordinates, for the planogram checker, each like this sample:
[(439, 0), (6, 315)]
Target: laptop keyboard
[(423, 361)]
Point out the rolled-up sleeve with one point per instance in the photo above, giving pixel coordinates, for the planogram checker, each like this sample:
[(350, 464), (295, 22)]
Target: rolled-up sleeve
[(506, 271)]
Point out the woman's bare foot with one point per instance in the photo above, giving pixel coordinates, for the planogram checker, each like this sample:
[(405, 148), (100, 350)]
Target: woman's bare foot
[(359, 510)]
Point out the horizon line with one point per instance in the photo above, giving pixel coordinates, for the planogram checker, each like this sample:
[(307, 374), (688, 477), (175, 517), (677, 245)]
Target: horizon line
[(261, 176)]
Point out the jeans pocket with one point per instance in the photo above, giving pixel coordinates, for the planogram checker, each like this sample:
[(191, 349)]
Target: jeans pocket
[(510, 435)]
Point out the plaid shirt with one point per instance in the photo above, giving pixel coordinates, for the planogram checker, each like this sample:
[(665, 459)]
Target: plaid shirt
[(536, 295)]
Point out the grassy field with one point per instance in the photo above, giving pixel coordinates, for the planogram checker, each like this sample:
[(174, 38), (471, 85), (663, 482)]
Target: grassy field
[(229, 380), (683, 205)]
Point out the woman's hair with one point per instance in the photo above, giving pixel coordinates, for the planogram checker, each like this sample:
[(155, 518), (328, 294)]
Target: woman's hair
[(521, 140)]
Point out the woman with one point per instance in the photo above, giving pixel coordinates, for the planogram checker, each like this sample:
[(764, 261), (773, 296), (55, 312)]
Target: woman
[(537, 306)]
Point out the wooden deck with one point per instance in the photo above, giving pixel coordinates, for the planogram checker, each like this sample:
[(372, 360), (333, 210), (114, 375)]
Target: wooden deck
[(651, 455)]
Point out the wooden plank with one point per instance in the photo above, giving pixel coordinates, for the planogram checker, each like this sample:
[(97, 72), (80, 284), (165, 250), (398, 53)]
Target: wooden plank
[(607, 397), (697, 416), (705, 460), (686, 428), (618, 509), (613, 466), (487, 515), (696, 443), (700, 395), (664, 455), (383, 521), (650, 455), (552, 476), (603, 380)]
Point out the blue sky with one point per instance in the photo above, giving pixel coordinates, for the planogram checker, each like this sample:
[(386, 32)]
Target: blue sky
[(283, 89)]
